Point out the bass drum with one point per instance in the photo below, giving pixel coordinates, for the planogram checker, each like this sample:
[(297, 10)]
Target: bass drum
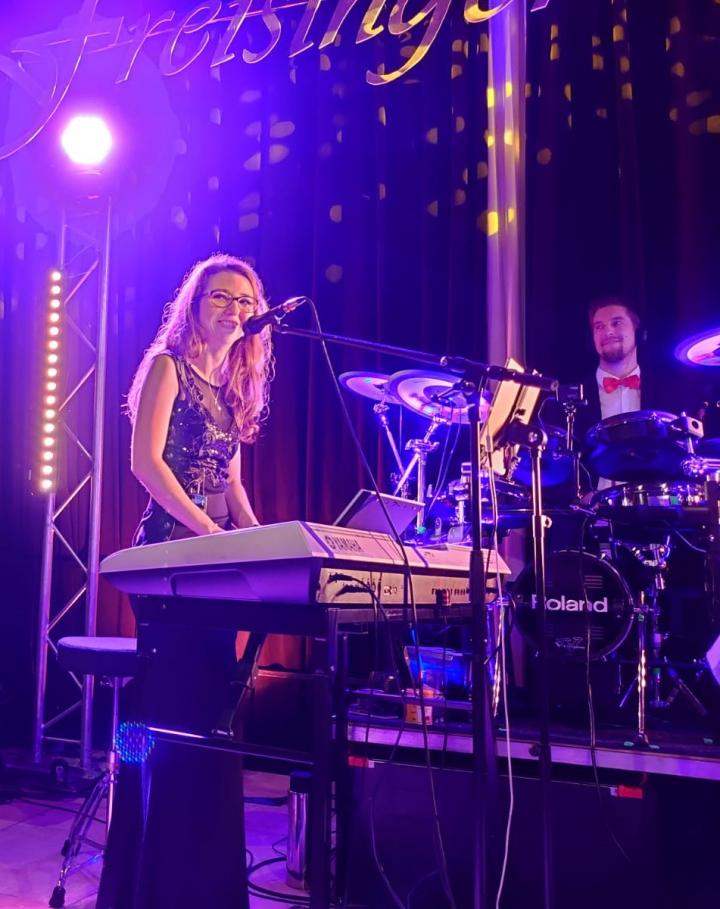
[(584, 595)]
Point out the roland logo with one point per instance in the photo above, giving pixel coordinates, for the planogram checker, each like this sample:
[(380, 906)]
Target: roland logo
[(566, 604)]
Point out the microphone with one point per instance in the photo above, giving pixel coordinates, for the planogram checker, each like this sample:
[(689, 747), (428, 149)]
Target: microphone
[(273, 316)]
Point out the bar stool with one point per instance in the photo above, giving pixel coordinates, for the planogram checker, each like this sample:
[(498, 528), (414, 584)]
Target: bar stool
[(114, 660)]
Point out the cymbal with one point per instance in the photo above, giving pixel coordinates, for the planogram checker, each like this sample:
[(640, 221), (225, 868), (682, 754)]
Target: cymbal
[(700, 350), (373, 385), (427, 393)]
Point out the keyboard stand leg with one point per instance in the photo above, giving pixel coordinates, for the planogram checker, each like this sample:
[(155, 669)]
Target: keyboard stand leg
[(243, 682)]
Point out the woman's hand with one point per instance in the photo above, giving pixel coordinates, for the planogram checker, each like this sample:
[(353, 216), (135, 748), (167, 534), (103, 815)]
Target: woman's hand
[(210, 527)]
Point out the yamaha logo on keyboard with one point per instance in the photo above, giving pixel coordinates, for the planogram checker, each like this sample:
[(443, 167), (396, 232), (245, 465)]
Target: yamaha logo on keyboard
[(342, 544)]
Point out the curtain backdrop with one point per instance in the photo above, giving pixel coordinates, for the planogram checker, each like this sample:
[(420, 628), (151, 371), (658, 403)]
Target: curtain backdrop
[(623, 180)]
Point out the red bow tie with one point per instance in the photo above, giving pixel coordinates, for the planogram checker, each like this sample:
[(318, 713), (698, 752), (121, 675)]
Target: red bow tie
[(611, 384)]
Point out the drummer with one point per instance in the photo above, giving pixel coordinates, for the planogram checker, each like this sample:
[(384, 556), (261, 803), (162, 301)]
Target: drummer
[(617, 385)]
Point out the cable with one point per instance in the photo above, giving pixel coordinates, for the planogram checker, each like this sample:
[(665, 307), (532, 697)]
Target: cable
[(379, 610), (410, 589), (511, 780), (274, 847), (500, 651), (276, 896)]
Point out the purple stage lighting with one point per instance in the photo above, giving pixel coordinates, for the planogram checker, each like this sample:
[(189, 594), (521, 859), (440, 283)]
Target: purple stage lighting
[(87, 140)]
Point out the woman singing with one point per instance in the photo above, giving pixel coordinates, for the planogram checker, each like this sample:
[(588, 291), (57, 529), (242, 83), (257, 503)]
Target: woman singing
[(200, 390), (177, 834)]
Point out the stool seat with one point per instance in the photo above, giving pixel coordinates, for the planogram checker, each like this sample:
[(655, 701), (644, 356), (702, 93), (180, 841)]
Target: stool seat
[(108, 656)]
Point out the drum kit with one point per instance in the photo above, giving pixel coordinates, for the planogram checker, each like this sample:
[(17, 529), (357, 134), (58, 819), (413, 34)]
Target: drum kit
[(605, 597)]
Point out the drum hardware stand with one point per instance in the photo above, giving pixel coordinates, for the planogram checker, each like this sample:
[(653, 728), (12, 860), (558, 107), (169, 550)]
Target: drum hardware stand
[(572, 397), (421, 448), (651, 665), (380, 409), (712, 497), (460, 492), (688, 428)]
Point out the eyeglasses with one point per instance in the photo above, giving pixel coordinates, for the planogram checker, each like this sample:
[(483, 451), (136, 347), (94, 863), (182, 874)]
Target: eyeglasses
[(224, 300)]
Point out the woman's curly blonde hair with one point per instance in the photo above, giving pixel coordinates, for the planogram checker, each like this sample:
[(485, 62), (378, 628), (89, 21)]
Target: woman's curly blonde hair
[(249, 365)]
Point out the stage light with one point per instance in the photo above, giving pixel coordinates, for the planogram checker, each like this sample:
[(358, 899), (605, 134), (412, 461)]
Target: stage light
[(50, 397), (134, 742), (87, 140)]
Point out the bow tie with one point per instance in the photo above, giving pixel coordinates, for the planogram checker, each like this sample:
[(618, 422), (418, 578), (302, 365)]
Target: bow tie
[(611, 384)]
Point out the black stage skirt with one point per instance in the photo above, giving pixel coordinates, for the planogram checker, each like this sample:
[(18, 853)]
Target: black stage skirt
[(177, 838)]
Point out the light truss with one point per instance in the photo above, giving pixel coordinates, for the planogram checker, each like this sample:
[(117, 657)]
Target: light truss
[(71, 540)]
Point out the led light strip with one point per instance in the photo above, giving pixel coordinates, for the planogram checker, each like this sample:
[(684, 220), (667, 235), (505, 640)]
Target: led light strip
[(48, 440)]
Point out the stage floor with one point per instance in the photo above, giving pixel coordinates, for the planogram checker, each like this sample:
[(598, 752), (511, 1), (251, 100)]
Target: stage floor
[(33, 829)]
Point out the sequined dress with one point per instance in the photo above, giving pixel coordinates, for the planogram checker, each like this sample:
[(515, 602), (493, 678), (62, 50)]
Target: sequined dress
[(177, 839), (202, 439)]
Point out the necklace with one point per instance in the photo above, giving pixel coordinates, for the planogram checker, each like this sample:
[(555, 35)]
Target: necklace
[(214, 390), (215, 394)]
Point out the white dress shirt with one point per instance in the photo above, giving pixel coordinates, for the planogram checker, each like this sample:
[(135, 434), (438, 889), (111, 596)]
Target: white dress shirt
[(622, 400), (612, 403)]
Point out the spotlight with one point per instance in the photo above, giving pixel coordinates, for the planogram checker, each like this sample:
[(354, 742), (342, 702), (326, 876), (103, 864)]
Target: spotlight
[(87, 140)]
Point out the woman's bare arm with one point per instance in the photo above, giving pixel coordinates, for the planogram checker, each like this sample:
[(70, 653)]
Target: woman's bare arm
[(148, 443)]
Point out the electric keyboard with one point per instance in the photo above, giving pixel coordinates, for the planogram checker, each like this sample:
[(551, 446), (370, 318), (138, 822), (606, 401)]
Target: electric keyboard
[(298, 562)]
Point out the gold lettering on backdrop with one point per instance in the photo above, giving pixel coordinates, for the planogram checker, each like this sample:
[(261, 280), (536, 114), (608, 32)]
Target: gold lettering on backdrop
[(206, 14), (140, 34), (222, 52), (56, 56), (367, 29), (473, 14), (300, 41), (437, 10), (274, 26)]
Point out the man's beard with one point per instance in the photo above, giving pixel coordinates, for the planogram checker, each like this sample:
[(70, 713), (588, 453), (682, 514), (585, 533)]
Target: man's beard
[(614, 353)]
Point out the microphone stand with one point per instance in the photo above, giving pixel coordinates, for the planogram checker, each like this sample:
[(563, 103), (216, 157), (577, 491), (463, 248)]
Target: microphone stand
[(474, 376), (483, 733), (473, 370), (535, 439)]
